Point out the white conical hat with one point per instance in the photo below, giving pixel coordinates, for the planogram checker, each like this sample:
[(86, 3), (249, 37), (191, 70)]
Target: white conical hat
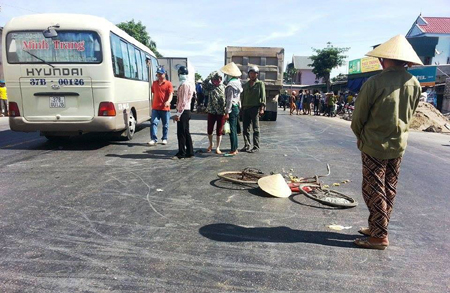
[(231, 69), (397, 48), (275, 185)]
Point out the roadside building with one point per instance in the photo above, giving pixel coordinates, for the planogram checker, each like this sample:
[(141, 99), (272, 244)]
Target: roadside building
[(430, 38), (304, 76)]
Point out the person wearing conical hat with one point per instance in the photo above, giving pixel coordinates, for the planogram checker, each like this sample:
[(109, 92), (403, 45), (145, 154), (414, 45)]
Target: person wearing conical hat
[(383, 112), (233, 92)]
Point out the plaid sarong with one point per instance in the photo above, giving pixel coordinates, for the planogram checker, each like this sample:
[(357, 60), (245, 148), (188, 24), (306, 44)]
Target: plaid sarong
[(379, 186)]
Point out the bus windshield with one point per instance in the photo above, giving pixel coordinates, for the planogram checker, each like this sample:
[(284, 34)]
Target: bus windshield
[(67, 47)]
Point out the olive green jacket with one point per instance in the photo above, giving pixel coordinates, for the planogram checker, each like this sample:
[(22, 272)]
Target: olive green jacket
[(254, 95), (383, 112)]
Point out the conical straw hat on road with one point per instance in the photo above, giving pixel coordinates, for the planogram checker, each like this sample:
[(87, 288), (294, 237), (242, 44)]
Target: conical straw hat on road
[(231, 69), (397, 48), (275, 185)]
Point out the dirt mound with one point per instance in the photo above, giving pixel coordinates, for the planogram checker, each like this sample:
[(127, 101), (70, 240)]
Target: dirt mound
[(427, 117)]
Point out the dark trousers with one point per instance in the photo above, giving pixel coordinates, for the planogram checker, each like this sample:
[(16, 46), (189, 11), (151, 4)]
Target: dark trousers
[(251, 120), (185, 147), (379, 187), (316, 108), (233, 119), (330, 110)]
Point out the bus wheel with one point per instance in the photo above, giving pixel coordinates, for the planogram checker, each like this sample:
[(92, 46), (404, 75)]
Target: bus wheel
[(131, 127)]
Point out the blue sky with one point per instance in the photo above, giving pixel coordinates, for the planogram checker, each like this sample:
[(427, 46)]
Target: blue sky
[(200, 30)]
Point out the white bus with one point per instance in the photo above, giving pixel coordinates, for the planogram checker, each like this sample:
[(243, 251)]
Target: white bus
[(71, 74)]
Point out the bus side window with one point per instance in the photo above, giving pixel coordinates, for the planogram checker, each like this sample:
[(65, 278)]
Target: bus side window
[(144, 66), (133, 68), (126, 60), (117, 58), (138, 63)]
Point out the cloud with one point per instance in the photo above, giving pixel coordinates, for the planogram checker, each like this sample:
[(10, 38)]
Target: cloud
[(292, 30)]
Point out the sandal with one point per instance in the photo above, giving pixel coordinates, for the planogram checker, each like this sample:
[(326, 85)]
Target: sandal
[(209, 149), (219, 152), (365, 243), (364, 231)]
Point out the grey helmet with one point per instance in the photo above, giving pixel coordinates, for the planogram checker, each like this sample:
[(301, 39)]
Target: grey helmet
[(253, 68)]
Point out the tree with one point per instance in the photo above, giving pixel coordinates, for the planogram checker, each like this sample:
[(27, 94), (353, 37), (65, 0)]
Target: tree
[(290, 73), (325, 60), (340, 77), (197, 76), (139, 32)]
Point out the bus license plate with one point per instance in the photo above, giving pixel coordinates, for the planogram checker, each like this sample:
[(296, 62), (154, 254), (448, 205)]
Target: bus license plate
[(57, 102)]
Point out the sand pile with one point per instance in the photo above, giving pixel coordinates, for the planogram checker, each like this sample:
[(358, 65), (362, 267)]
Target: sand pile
[(428, 118)]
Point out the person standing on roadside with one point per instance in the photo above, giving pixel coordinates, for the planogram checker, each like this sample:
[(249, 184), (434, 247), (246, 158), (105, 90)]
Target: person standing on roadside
[(3, 99), (298, 101), (233, 92), (306, 103), (316, 100), (162, 90), (380, 122), (215, 90), (330, 103), (184, 95), (292, 99), (253, 105), (199, 94)]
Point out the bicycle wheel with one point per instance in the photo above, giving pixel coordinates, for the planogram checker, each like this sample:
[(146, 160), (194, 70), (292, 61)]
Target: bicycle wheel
[(327, 196), (247, 176)]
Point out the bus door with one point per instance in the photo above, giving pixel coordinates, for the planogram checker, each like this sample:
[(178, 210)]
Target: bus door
[(152, 63)]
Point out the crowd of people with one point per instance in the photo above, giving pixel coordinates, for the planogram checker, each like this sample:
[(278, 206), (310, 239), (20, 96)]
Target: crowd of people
[(306, 102), (224, 99)]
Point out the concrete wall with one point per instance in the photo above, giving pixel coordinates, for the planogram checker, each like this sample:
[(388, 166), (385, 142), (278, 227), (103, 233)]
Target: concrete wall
[(305, 77), (446, 100)]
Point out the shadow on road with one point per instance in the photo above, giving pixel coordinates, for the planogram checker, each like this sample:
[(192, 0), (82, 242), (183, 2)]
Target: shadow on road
[(12, 140), (150, 154), (154, 154), (223, 184), (233, 233)]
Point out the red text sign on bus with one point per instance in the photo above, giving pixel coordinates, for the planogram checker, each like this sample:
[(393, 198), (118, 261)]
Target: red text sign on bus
[(57, 45)]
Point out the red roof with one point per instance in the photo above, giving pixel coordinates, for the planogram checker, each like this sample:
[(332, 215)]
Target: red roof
[(436, 25)]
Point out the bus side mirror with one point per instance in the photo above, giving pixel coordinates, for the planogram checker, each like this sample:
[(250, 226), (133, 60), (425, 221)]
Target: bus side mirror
[(50, 33)]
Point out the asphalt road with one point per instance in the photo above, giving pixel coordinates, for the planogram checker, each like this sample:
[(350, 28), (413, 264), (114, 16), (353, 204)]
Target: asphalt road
[(95, 215)]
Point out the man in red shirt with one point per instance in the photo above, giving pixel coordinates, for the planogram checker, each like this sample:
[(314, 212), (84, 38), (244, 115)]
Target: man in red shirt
[(162, 90)]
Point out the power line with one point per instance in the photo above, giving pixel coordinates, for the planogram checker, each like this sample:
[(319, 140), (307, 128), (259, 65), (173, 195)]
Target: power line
[(17, 7)]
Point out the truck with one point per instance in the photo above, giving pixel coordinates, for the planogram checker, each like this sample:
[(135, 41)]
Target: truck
[(171, 65), (270, 61)]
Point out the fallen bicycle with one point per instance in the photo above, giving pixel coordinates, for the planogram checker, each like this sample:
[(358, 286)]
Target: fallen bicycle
[(311, 187)]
